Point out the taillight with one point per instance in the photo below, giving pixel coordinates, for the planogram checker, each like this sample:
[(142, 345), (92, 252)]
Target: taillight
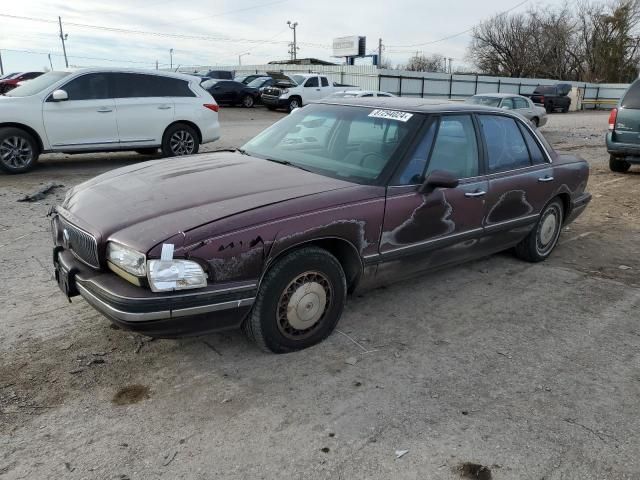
[(612, 119), (211, 106), (541, 99)]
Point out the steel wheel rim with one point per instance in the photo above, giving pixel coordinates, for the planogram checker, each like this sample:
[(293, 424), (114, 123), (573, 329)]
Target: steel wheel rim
[(303, 305), (182, 143), (16, 152), (548, 230)]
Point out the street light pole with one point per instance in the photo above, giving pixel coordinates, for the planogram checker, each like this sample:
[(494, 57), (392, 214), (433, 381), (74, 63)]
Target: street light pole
[(171, 58), (294, 47), (242, 55), (1, 66), (63, 37)]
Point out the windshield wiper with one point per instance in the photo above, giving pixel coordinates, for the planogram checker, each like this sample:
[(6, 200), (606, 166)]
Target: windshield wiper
[(287, 163)]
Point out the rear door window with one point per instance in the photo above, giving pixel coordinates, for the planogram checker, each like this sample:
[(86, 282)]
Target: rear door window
[(137, 85), (325, 81), (632, 97)]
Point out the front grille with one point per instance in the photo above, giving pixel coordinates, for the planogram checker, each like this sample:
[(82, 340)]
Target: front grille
[(82, 244), (272, 91)]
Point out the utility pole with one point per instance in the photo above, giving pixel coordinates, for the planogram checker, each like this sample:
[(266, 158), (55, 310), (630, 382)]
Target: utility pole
[(50, 62), (294, 47), (156, 64), (379, 52), (1, 66), (63, 37), (171, 59), (450, 66)]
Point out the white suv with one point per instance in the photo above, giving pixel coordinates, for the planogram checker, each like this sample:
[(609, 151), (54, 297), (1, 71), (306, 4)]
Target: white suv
[(98, 110)]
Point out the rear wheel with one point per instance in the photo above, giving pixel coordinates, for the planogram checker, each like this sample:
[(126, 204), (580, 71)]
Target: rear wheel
[(299, 302), (618, 165), (538, 245), (549, 107), (565, 109), (247, 101), (178, 140), (18, 150)]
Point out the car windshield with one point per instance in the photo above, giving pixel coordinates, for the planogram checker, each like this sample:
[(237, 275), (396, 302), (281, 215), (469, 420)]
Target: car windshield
[(299, 79), (257, 83), (37, 85), (350, 143), (209, 83), (488, 101)]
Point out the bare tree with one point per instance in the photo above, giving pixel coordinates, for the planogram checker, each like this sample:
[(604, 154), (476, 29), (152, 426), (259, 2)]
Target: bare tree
[(422, 63)]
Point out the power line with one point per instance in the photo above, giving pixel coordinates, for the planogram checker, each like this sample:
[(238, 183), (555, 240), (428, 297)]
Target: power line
[(225, 13), (36, 52), (161, 34), (449, 37)]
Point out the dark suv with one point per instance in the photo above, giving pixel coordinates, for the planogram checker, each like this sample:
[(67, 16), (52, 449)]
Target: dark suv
[(553, 97), (623, 139)]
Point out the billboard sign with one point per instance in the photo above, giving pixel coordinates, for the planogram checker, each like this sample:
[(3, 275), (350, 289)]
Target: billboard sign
[(353, 46)]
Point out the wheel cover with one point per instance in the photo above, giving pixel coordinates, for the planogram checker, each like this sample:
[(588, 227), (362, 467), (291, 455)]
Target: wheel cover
[(248, 101), (294, 104), (16, 152), (303, 305), (548, 229), (182, 143)]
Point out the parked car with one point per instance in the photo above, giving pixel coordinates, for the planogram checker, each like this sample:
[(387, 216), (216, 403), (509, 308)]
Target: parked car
[(553, 97), (220, 74), (8, 84), (228, 92), (359, 93), (100, 109), (334, 198), (9, 75), (291, 92), (247, 79), (623, 138), (261, 83), (522, 105)]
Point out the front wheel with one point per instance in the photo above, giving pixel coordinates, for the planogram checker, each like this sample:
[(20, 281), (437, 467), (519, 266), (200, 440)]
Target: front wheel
[(293, 104), (178, 140), (18, 150), (299, 303), (538, 245), (618, 165)]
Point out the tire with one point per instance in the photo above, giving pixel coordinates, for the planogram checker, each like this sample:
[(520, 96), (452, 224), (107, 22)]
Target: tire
[(565, 109), (19, 151), (294, 103), (178, 140), (248, 101), (309, 276), (549, 107), (535, 121), (617, 165), (538, 245), (147, 151)]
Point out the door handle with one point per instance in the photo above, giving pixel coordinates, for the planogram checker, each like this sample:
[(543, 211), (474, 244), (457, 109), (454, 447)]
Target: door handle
[(164, 107), (477, 193), (104, 110), (545, 179)]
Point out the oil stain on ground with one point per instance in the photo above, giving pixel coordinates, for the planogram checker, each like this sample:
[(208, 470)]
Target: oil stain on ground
[(130, 394), (474, 471)]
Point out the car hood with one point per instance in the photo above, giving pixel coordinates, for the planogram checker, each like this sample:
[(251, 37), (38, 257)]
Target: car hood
[(147, 203)]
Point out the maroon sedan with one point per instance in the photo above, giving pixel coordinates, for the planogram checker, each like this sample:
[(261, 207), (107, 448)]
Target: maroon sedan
[(333, 198), (10, 82)]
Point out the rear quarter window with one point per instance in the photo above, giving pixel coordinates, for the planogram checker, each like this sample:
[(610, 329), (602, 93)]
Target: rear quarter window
[(631, 99)]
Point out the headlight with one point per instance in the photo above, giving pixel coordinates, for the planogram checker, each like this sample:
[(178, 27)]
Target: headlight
[(126, 258), (175, 275), (284, 91)]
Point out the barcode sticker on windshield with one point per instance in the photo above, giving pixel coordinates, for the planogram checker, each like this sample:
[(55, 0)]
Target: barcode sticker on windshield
[(391, 115)]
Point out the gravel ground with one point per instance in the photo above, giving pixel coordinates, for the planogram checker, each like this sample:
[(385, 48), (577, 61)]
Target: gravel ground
[(527, 371)]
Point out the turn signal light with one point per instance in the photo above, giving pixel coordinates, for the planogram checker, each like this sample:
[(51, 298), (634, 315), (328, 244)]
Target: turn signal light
[(612, 118), (211, 106)]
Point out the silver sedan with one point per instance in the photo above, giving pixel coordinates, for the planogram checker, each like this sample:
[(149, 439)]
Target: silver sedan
[(536, 114)]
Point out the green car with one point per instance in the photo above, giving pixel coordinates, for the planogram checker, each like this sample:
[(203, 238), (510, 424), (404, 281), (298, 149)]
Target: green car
[(623, 138)]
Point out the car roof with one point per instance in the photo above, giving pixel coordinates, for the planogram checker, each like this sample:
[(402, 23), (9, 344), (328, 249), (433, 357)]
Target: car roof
[(415, 105), (182, 76)]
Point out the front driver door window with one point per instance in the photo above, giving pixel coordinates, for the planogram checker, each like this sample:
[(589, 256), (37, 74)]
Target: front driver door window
[(422, 230), (87, 119)]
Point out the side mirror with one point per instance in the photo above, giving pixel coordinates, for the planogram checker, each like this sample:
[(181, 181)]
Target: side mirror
[(438, 179), (59, 96)]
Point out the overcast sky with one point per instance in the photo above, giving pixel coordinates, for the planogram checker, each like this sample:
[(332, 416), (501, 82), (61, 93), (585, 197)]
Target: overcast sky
[(233, 28)]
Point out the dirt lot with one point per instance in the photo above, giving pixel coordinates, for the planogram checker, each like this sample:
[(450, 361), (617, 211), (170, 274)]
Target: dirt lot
[(531, 371)]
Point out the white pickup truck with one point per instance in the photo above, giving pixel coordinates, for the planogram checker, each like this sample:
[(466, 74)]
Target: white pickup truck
[(290, 92)]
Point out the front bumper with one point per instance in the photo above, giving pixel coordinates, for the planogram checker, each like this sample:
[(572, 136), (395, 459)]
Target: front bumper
[(625, 151), (167, 314), (273, 101)]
